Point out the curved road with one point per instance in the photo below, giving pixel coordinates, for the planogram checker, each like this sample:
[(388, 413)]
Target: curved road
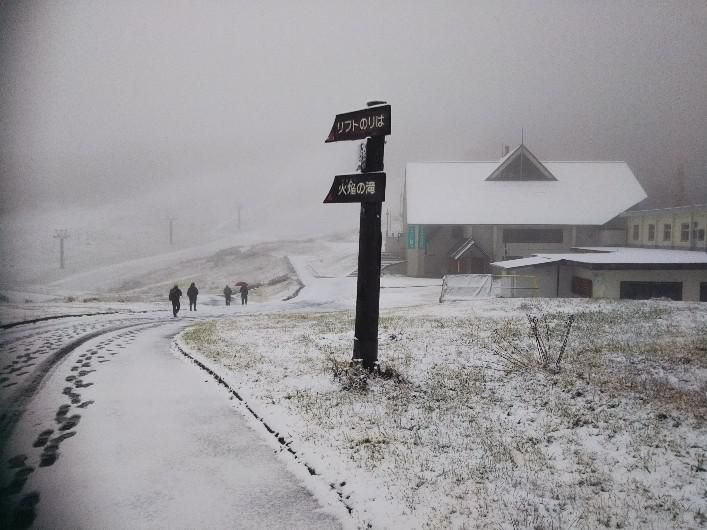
[(103, 425)]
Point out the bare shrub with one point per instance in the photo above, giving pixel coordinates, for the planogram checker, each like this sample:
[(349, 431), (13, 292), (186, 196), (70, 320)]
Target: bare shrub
[(549, 341)]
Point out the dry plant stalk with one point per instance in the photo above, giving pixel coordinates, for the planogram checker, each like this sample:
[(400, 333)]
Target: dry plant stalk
[(545, 357)]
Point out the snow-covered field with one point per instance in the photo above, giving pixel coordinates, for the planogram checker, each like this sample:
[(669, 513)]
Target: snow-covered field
[(452, 436), (464, 427)]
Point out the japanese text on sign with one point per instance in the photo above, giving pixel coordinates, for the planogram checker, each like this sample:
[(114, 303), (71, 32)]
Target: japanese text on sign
[(374, 121), (359, 187), (361, 124)]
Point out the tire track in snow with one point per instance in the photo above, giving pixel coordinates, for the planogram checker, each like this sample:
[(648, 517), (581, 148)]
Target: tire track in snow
[(52, 317), (16, 401), (18, 512)]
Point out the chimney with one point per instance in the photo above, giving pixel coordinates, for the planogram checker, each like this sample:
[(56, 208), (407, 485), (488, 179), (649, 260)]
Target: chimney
[(504, 150)]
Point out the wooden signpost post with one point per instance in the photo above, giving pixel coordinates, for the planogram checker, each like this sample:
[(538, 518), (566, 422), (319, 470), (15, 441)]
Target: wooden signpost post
[(368, 188)]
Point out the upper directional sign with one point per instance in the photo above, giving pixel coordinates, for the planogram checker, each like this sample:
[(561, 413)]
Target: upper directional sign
[(359, 187), (373, 121)]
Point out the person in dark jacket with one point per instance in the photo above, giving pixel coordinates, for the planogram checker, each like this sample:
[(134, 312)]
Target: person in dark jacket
[(174, 295), (227, 292), (244, 294), (192, 292)]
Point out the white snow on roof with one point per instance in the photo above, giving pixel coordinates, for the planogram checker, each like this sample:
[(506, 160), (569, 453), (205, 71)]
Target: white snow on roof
[(613, 256), (585, 193), (538, 259), (688, 208), (656, 256)]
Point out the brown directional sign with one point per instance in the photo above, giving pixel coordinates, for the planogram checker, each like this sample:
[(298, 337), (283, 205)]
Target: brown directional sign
[(373, 121), (359, 187)]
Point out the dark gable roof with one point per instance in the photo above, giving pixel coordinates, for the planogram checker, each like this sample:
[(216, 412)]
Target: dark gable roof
[(521, 165)]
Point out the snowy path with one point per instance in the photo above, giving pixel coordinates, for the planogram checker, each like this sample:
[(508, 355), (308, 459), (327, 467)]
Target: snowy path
[(124, 433), (103, 426), (320, 289)]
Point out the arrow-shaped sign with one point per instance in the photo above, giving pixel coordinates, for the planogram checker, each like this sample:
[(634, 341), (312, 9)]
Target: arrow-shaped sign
[(359, 187), (374, 121)]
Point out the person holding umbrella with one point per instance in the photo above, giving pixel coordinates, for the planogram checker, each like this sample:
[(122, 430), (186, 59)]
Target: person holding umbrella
[(244, 292)]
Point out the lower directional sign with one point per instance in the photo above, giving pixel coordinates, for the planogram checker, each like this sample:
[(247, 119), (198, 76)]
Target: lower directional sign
[(359, 187)]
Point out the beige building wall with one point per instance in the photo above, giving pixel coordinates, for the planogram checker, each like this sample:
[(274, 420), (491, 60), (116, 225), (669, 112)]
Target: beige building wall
[(595, 236), (483, 236), (414, 262), (548, 279), (672, 228), (607, 284), (434, 259), (439, 241)]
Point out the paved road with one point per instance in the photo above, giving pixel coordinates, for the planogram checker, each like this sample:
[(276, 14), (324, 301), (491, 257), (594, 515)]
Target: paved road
[(124, 433)]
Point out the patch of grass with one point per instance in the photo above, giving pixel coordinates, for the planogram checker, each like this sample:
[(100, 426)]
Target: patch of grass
[(525, 448), (202, 335)]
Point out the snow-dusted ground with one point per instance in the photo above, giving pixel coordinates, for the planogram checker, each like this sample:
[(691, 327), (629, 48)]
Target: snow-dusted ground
[(452, 436), (123, 433), (456, 437)]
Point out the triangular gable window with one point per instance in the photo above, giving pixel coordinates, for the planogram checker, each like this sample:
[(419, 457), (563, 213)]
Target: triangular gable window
[(522, 165)]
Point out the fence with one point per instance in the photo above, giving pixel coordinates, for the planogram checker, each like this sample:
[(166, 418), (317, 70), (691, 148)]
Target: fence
[(457, 287)]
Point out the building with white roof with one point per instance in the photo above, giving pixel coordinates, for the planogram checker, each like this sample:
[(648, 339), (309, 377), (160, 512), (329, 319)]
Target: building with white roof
[(615, 272), (462, 216)]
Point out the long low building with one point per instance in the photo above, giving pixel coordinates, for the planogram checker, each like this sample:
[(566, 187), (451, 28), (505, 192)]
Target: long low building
[(615, 272)]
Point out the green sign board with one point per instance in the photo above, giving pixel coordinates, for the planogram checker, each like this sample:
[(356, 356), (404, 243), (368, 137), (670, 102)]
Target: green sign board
[(411, 236)]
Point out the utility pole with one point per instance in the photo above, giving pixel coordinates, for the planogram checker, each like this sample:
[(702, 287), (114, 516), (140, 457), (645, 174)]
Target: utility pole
[(171, 231), (239, 217), (61, 235), (387, 222)]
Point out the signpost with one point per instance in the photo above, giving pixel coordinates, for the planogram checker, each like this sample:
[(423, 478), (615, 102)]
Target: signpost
[(359, 187), (368, 188), (360, 124)]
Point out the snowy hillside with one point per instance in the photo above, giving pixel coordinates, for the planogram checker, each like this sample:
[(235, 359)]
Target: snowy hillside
[(260, 260)]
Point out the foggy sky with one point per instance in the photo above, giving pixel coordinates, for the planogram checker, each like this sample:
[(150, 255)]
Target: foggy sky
[(173, 102)]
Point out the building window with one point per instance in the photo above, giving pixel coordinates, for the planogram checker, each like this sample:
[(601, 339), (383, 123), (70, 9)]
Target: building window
[(667, 232), (532, 235), (648, 290), (698, 234), (651, 232), (685, 232), (636, 232)]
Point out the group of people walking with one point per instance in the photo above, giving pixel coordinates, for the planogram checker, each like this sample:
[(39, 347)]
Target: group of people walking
[(227, 292), (175, 294)]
